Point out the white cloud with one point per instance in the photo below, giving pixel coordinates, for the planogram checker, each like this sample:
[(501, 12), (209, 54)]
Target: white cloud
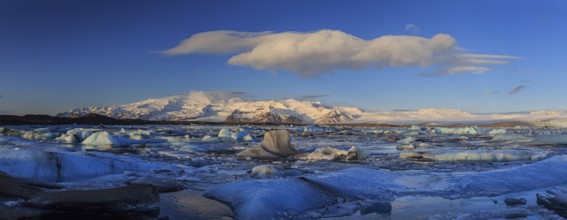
[(470, 69), (324, 51), (412, 28), (213, 96)]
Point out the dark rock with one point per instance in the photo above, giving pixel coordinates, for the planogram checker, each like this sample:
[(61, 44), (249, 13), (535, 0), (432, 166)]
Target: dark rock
[(514, 201), (378, 207), (22, 188), (555, 200), (134, 198), (160, 184)]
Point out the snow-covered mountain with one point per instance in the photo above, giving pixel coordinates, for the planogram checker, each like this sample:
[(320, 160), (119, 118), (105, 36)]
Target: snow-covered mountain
[(214, 106), (227, 107)]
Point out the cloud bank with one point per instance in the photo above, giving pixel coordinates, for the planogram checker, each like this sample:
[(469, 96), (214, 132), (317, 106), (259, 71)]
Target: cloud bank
[(313, 53)]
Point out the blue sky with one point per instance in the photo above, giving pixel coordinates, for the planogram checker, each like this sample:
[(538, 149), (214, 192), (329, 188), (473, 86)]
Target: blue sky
[(60, 54)]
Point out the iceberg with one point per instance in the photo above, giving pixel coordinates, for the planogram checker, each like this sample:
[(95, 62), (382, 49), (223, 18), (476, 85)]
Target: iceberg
[(461, 131), (240, 135), (224, 133), (101, 138), (276, 145), (268, 198), (475, 155), (104, 138), (263, 171), (68, 166), (330, 153), (76, 135)]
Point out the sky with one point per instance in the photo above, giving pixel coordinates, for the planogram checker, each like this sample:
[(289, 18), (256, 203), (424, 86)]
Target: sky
[(477, 56)]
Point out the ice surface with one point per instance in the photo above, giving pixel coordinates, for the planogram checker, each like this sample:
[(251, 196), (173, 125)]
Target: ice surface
[(466, 165), (549, 172), (269, 198)]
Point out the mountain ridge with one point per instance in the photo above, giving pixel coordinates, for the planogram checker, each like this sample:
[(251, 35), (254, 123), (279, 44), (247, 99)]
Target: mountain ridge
[(220, 107)]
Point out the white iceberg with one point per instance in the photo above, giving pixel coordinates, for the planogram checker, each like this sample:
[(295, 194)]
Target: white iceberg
[(330, 153), (239, 135), (76, 135), (461, 131), (104, 138), (475, 155), (224, 133), (407, 140), (511, 138), (101, 138), (263, 171)]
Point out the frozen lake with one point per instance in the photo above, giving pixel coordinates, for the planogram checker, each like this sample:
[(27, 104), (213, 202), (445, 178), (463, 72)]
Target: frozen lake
[(311, 172)]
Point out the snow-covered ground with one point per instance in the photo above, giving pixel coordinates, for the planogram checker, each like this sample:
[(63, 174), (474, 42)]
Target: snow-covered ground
[(331, 172)]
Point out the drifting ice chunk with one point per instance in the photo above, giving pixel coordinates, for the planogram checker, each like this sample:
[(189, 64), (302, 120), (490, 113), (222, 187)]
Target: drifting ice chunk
[(329, 153), (316, 129), (104, 138), (224, 133), (209, 138), (76, 135), (407, 140), (101, 138), (276, 145), (497, 131), (475, 155), (511, 138), (461, 131), (239, 135), (263, 199), (550, 139), (263, 171)]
